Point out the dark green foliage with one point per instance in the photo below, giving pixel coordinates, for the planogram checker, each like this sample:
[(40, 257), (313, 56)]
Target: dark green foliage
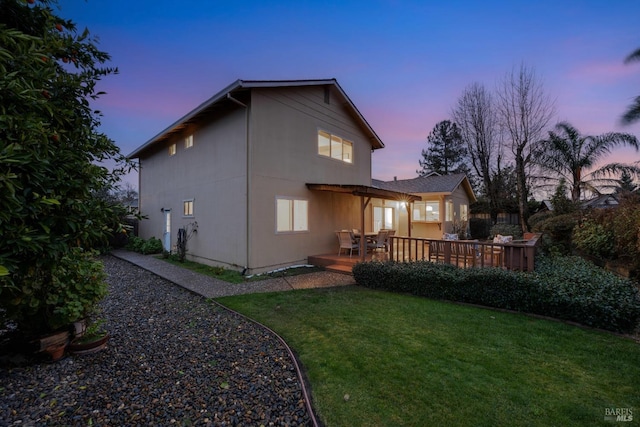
[(51, 157), (594, 237), (151, 246), (565, 288), (507, 230), (479, 228), (557, 231), (612, 234), (446, 152)]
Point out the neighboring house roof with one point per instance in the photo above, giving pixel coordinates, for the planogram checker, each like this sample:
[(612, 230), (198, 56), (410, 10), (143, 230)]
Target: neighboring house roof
[(226, 98), (602, 201), (432, 183), (545, 205)]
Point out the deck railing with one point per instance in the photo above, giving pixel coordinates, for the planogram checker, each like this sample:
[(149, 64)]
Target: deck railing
[(517, 255)]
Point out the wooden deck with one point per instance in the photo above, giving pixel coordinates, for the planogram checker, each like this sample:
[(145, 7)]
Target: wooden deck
[(518, 256), (343, 263)]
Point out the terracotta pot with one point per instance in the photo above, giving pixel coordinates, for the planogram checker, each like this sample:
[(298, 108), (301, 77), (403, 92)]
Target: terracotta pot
[(52, 340), (55, 351), (77, 347)]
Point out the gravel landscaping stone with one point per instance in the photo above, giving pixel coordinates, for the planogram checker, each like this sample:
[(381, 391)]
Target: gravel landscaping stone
[(174, 358)]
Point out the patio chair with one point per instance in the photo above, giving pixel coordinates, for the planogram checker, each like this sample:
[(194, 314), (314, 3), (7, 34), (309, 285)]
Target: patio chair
[(378, 242), (497, 252), (347, 241), (387, 240)]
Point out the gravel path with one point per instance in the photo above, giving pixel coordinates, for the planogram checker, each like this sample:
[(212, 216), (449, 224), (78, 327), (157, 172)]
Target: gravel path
[(173, 359)]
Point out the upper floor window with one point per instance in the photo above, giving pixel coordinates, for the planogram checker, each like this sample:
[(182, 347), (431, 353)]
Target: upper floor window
[(172, 149), (335, 147), (291, 215), (187, 207), (188, 141)]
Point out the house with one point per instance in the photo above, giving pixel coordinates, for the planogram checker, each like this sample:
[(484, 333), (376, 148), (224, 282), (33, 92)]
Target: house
[(602, 201), (265, 171), (443, 209)]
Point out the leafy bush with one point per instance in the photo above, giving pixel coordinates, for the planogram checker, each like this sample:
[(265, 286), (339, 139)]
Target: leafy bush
[(152, 246), (66, 293), (53, 158), (538, 218), (594, 238), (557, 230), (507, 230), (568, 288), (135, 244)]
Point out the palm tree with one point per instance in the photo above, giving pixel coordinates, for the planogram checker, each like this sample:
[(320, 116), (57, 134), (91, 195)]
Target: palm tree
[(570, 155), (633, 112)]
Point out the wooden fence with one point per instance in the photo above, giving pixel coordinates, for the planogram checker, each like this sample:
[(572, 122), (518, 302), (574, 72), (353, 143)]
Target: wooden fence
[(518, 255)]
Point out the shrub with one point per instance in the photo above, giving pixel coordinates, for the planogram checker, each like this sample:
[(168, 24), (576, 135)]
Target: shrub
[(135, 244), (66, 293), (507, 230), (594, 238), (567, 288), (152, 246), (557, 230)]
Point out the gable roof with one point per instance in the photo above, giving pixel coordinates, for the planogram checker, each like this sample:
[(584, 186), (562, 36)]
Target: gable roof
[(432, 183), (602, 201), (226, 99)]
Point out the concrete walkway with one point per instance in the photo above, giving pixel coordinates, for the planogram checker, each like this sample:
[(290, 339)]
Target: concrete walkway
[(210, 287)]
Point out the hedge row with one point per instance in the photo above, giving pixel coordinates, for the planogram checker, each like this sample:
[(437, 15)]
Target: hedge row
[(567, 288)]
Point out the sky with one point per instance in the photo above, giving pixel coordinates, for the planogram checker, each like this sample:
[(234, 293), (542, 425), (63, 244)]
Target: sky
[(404, 64)]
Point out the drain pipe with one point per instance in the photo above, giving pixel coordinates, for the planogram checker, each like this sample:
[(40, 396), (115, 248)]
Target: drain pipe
[(248, 189)]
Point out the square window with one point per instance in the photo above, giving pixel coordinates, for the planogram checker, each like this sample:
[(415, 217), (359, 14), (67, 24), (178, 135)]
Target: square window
[(291, 215)]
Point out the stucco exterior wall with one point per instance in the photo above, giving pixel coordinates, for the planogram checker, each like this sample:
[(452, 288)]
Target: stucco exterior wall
[(213, 174), (284, 157)]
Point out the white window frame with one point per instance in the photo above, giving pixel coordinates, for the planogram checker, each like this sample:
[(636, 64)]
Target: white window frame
[(172, 149), (297, 215), (338, 148), (188, 141), (449, 210), (420, 211), (383, 218), (188, 208)]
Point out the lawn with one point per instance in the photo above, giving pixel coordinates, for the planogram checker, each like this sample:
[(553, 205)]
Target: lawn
[(381, 359)]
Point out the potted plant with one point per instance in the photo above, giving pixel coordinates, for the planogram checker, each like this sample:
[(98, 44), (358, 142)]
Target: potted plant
[(94, 339)]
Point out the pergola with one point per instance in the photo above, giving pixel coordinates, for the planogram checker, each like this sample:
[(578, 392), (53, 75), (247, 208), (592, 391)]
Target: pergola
[(366, 193)]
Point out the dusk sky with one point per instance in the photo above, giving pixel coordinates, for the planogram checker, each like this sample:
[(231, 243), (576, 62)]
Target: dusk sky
[(403, 63)]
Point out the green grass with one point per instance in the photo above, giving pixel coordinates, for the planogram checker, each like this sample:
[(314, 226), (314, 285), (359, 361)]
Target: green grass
[(405, 360), (233, 276)]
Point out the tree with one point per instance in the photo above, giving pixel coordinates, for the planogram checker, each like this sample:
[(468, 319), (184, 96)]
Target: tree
[(524, 110), (445, 151), (626, 184), (51, 156), (475, 115), (569, 156), (633, 112)]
